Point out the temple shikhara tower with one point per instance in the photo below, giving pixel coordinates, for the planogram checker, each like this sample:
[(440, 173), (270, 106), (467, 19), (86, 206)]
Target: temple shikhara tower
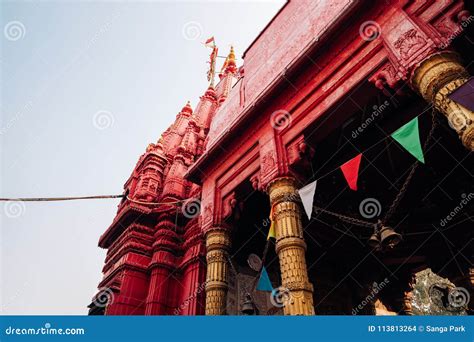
[(330, 173)]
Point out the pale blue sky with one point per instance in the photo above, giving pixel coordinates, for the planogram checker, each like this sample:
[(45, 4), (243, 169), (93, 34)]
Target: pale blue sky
[(61, 63)]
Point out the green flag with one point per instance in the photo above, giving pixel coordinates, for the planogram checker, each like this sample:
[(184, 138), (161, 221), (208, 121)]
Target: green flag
[(409, 137)]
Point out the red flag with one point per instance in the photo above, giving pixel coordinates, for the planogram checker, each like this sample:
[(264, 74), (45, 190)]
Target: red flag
[(210, 42), (350, 169)]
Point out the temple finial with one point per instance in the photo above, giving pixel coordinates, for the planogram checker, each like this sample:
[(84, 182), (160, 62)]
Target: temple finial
[(229, 64), (187, 108), (232, 53)]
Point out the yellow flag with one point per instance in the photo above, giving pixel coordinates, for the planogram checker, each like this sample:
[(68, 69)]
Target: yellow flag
[(271, 232)]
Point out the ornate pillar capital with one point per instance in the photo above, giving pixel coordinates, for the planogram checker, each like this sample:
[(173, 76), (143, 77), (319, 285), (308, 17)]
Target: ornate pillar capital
[(435, 78), (217, 238), (436, 71), (282, 189)]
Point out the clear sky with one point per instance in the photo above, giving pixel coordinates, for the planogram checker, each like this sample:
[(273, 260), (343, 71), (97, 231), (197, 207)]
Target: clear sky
[(85, 86)]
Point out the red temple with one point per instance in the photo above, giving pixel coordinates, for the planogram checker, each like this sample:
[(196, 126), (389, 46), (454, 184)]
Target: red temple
[(323, 82)]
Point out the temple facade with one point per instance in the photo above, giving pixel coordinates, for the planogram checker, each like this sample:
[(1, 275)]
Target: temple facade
[(323, 82)]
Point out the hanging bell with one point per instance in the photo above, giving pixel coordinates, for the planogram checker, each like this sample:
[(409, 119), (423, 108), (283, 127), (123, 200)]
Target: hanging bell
[(248, 306), (389, 238), (374, 240)]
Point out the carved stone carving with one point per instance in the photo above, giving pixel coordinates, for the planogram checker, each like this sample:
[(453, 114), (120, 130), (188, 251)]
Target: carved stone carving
[(409, 43), (268, 162), (431, 295)]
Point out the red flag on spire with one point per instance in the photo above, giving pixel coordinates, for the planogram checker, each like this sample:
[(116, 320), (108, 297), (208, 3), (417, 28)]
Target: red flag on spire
[(210, 42), (350, 169)]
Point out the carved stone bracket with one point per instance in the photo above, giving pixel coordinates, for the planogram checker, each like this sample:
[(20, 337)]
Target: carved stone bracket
[(229, 204), (385, 76), (255, 181)]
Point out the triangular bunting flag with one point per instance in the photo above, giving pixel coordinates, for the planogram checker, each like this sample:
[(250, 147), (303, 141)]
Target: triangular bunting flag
[(409, 137), (464, 95), (264, 284), (307, 197), (271, 232), (350, 169)]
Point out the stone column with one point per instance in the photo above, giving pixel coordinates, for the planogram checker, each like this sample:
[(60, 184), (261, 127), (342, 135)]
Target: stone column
[(290, 247), (217, 245), (435, 78)]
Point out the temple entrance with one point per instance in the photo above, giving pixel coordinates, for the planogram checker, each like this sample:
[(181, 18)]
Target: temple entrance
[(432, 212), (249, 235)]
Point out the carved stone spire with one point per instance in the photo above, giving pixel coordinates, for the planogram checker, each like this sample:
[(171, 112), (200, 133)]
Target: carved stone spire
[(227, 75)]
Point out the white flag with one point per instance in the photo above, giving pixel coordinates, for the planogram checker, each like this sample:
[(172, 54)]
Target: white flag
[(307, 197)]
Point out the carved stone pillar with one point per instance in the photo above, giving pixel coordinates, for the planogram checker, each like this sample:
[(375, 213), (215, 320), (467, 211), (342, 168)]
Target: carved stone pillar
[(290, 247), (217, 244), (435, 78)]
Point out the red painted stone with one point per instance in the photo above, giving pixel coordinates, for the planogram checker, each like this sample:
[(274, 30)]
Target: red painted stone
[(305, 63)]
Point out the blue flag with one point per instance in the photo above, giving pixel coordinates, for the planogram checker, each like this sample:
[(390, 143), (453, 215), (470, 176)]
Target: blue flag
[(264, 283)]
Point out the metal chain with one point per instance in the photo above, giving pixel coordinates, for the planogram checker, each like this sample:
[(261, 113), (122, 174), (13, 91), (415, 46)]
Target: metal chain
[(348, 219), (404, 188)]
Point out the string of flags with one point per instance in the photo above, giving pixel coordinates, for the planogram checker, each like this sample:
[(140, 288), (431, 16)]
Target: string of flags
[(408, 136)]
